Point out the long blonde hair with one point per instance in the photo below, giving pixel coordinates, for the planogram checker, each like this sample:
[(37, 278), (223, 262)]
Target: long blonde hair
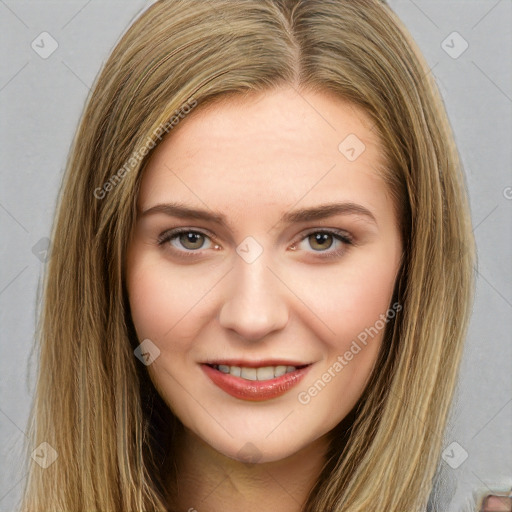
[(94, 402)]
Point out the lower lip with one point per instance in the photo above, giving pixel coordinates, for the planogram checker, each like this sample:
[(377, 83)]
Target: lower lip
[(255, 390)]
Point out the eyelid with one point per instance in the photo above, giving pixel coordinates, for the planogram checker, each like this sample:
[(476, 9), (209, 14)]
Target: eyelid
[(344, 235), (169, 234), (183, 229), (341, 235)]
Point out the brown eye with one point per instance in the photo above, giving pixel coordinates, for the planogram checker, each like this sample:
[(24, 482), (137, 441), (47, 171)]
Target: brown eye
[(320, 241), (185, 241), (191, 240), (326, 244)]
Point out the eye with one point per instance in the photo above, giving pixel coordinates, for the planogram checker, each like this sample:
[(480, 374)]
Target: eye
[(184, 240), (323, 240)]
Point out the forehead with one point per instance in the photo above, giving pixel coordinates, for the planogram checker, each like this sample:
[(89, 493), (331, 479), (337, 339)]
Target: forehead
[(268, 150)]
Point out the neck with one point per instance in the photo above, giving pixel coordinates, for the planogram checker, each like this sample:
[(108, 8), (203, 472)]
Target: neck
[(209, 481)]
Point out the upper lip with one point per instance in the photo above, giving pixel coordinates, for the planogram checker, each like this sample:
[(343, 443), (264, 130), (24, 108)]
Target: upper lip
[(257, 364)]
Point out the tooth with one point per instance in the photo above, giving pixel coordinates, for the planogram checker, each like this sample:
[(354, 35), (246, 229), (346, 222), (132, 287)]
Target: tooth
[(265, 373), (279, 370), (248, 373), (235, 370)]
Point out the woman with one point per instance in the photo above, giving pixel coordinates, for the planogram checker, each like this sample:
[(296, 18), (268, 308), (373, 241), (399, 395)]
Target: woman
[(261, 274)]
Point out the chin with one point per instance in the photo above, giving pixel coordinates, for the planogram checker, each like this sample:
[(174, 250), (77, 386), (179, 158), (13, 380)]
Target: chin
[(257, 446), (256, 452)]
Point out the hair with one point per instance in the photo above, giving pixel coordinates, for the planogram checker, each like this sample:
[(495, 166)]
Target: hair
[(94, 402)]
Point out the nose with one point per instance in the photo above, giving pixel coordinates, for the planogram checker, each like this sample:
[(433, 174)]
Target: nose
[(254, 305)]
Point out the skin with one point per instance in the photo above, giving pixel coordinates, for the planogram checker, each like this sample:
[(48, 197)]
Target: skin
[(254, 160)]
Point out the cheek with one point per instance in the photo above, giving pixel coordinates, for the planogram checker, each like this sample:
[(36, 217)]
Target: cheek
[(353, 302), (166, 308), (355, 310), (150, 305), (348, 299), (163, 301)]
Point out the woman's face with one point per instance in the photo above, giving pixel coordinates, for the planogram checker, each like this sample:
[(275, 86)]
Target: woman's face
[(285, 261)]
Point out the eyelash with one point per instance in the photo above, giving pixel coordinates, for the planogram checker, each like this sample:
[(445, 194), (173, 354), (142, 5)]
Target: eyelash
[(341, 236)]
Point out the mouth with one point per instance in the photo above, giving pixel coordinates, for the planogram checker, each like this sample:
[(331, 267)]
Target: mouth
[(259, 373), (255, 381)]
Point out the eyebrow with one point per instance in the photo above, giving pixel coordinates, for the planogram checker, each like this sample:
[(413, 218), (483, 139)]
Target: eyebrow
[(322, 211)]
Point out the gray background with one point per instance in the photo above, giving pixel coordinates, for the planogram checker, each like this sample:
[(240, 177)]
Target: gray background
[(41, 101)]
